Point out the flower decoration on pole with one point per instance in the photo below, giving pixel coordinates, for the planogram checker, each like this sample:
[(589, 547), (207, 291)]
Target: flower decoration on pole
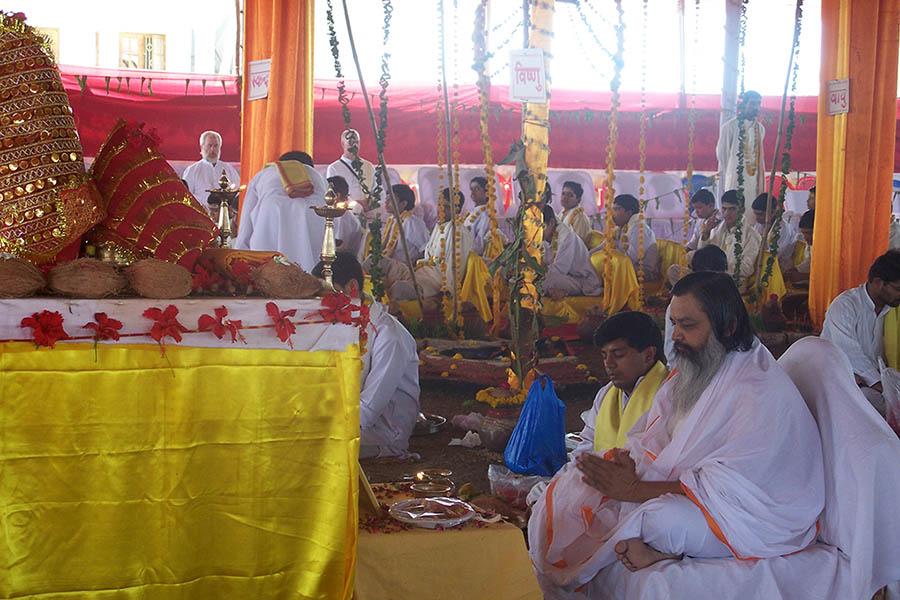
[(219, 325), (165, 325), (46, 327), (284, 327)]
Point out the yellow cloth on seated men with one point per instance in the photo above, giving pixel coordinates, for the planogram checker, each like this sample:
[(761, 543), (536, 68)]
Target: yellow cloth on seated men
[(294, 178), (562, 309), (775, 286), (205, 474), (670, 253), (799, 253), (622, 289), (475, 286), (613, 424), (595, 240), (892, 338)]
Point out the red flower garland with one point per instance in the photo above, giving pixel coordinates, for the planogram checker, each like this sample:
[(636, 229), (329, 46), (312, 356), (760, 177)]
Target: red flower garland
[(165, 325), (104, 328), (284, 327), (339, 308), (46, 327), (219, 326)]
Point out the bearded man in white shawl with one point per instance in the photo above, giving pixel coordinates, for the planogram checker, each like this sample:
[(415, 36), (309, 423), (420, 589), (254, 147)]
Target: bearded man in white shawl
[(343, 166), (569, 268), (727, 462), (754, 157), (276, 213), (389, 393)]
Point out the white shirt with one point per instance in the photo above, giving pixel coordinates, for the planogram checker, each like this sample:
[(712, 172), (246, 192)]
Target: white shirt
[(787, 239), (442, 237), (894, 235), (271, 220), (389, 396), (628, 242), (348, 229), (344, 167), (416, 233), (204, 175), (572, 259), (852, 325), (579, 222), (723, 237), (727, 154)]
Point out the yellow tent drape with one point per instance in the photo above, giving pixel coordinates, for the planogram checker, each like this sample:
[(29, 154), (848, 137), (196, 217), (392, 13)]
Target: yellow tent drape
[(855, 151), (281, 30)]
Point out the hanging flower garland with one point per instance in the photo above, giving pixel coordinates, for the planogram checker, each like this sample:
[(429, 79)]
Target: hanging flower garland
[(775, 235), (692, 128), (372, 195), (613, 139), (457, 225), (642, 159), (484, 85), (742, 138)]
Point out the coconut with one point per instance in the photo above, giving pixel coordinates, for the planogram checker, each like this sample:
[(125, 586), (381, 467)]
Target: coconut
[(19, 278), (284, 280), (152, 278), (86, 278)]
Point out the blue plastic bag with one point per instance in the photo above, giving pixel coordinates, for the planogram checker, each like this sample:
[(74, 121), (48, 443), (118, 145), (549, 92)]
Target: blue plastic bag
[(537, 445)]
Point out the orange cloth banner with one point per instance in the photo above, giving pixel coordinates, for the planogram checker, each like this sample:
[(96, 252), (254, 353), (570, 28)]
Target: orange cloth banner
[(281, 30), (855, 151)]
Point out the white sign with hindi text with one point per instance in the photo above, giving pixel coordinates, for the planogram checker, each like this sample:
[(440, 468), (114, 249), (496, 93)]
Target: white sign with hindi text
[(527, 80), (258, 79), (838, 96)]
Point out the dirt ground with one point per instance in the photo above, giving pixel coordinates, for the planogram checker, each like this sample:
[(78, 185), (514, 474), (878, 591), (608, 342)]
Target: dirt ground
[(470, 465)]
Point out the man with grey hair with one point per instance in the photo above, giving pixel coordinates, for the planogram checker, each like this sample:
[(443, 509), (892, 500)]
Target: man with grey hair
[(350, 143), (204, 174)]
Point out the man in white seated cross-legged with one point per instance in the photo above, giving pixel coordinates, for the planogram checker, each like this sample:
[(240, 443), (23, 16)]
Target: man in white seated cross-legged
[(727, 462), (389, 393), (569, 269)]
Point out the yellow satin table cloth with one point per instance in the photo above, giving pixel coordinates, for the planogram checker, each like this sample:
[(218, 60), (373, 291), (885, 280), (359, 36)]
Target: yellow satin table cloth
[(207, 473), (472, 563)]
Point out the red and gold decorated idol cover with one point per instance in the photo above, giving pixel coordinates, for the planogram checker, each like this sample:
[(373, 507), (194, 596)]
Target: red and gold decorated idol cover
[(150, 211), (46, 200)]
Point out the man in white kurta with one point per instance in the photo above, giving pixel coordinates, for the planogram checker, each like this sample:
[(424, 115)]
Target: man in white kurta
[(727, 462), (389, 394), (854, 322), (626, 216), (350, 142), (435, 272), (205, 174), (569, 269), (478, 221), (754, 157), (573, 214), (724, 235), (413, 226), (272, 220), (348, 231), (787, 235)]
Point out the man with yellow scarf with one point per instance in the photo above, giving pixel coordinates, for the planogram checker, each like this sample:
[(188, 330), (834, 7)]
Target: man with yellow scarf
[(632, 348)]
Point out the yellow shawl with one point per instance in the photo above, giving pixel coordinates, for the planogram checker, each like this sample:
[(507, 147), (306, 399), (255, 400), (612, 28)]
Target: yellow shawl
[(613, 424)]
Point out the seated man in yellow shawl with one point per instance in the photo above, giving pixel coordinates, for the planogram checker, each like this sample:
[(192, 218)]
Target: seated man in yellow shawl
[(631, 345)]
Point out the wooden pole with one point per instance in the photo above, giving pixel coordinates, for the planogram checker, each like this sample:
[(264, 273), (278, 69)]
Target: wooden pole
[(384, 172)]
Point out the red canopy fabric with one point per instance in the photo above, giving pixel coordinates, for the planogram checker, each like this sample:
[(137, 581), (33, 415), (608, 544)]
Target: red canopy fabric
[(579, 121)]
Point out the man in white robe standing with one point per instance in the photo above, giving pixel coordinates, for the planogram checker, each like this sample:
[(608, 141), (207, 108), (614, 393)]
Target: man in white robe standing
[(350, 142), (205, 174), (389, 394), (272, 219), (569, 268), (727, 463), (855, 323), (754, 156)]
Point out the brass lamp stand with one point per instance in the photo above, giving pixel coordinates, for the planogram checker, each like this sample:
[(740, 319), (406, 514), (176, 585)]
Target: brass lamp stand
[(224, 195), (331, 211)]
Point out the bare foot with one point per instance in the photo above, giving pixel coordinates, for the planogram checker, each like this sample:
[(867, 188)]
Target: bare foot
[(636, 555)]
